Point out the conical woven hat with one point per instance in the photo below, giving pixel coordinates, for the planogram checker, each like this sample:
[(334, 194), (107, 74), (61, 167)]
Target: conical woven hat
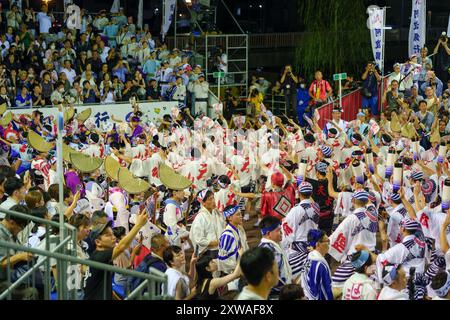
[(38, 143), (67, 151), (130, 183), (395, 125), (2, 108), (112, 167), (85, 163), (173, 180), (68, 113), (6, 119), (84, 115), (435, 136)]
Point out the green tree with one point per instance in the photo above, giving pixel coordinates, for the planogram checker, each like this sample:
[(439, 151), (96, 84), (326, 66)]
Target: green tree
[(337, 38)]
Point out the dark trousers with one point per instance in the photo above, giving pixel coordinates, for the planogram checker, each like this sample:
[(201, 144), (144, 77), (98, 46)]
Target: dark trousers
[(291, 105), (326, 223)]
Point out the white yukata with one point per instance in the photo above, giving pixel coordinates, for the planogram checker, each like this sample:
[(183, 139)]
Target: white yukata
[(198, 171), (284, 269), (393, 229), (300, 219), (358, 228), (153, 166), (410, 253), (172, 218), (206, 227), (359, 287)]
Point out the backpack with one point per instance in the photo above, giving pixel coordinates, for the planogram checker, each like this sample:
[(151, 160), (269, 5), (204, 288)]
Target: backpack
[(144, 266)]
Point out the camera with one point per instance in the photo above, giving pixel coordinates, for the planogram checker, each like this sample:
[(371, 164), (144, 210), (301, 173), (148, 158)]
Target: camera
[(443, 36)]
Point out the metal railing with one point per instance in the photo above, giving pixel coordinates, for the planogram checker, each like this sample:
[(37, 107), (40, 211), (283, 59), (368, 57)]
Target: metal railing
[(63, 262)]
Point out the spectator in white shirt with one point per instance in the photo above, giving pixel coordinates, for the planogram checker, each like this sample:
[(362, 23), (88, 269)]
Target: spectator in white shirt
[(70, 73)]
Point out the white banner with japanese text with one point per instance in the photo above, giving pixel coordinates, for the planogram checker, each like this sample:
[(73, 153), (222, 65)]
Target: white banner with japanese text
[(418, 27), (103, 114), (376, 25)]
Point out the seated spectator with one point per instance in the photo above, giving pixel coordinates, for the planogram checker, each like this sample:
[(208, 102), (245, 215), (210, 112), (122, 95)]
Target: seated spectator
[(107, 94), (152, 90), (178, 282), (90, 94), (206, 286), (23, 100), (57, 96), (36, 96), (10, 226), (69, 72)]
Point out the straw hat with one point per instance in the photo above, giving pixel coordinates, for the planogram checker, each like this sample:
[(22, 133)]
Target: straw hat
[(38, 143), (171, 179), (68, 113), (85, 163), (67, 151), (130, 183), (112, 167), (84, 115), (395, 124), (2, 108), (6, 119)]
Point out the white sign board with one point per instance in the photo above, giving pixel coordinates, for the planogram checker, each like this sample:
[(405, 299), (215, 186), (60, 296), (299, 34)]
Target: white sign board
[(102, 114)]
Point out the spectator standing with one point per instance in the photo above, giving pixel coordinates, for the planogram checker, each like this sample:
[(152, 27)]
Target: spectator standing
[(371, 79), (289, 82), (442, 52), (200, 90), (319, 91), (45, 21)]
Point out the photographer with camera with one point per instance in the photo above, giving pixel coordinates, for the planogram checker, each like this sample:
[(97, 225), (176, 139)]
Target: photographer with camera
[(289, 82), (434, 82), (371, 78), (442, 59)]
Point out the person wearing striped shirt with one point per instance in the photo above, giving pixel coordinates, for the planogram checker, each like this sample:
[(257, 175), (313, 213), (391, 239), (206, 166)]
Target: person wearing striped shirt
[(232, 240)]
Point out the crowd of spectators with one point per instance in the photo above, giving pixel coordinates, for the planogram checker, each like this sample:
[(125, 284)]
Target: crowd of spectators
[(104, 58)]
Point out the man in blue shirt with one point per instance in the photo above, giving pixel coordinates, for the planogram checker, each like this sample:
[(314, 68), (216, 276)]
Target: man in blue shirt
[(302, 103), (23, 99), (370, 78)]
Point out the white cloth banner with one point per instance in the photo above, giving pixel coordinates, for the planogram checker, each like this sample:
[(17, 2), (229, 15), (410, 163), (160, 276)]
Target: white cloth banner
[(448, 29), (140, 16), (418, 27), (376, 26), (169, 8), (115, 6), (101, 115)]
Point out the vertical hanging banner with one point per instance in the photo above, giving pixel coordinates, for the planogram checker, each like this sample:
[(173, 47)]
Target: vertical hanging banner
[(448, 29), (376, 25), (115, 6), (140, 16), (169, 8), (417, 27)]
